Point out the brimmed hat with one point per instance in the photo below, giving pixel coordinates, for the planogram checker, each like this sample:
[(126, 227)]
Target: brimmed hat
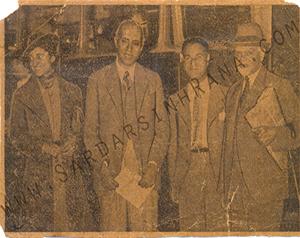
[(49, 42), (250, 34)]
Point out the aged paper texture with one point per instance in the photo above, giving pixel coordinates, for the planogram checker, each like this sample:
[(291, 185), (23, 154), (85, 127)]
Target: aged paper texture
[(150, 119)]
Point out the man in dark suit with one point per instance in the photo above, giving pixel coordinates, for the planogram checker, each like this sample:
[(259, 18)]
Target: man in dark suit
[(253, 181), (196, 141), (125, 114), (46, 126)]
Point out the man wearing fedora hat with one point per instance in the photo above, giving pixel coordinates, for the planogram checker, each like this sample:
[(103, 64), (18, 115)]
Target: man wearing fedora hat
[(46, 127), (253, 182)]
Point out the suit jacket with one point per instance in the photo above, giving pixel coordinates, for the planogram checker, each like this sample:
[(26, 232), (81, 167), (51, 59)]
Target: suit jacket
[(29, 130), (263, 177), (104, 120), (179, 155)]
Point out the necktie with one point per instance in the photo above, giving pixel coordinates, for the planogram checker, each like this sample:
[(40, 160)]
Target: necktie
[(246, 90), (247, 85), (199, 125), (128, 95), (127, 80)]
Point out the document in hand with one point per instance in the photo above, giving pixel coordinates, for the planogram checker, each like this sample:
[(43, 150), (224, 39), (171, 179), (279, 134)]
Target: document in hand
[(129, 188), (129, 177), (267, 112)]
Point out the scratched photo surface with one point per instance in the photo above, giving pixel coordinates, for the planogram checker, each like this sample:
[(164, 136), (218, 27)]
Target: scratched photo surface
[(152, 118)]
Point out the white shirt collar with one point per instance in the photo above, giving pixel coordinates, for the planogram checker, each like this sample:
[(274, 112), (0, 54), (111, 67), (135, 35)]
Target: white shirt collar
[(122, 70), (252, 78)]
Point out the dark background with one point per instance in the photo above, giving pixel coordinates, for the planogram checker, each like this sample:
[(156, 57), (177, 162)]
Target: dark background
[(86, 44)]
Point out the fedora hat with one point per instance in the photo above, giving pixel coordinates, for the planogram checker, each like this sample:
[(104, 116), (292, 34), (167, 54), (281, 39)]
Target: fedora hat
[(250, 34), (47, 41)]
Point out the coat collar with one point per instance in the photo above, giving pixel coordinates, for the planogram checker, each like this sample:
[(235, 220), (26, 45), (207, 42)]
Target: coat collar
[(31, 96)]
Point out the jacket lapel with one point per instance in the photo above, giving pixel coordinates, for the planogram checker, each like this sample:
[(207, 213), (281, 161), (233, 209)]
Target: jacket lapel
[(65, 106), (141, 83), (34, 101), (256, 89), (232, 104), (113, 88), (216, 103), (184, 111)]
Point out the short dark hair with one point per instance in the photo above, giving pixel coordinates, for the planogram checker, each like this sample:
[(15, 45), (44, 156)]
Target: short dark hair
[(195, 40), (126, 23)]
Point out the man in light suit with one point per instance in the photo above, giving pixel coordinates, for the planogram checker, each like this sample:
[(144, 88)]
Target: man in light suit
[(253, 182), (196, 121), (125, 113)]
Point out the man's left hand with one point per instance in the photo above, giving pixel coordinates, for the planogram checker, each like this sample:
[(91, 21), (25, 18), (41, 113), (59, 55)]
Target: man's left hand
[(265, 134), (69, 147), (148, 178)]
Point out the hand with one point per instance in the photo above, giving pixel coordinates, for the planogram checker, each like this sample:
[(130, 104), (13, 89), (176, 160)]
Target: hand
[(69, 146), (265, 134), (107, 180), (148, 178), (52, 149), (174, 195)]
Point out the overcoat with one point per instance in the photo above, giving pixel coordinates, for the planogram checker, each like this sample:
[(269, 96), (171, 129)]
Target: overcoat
[(29, 130)]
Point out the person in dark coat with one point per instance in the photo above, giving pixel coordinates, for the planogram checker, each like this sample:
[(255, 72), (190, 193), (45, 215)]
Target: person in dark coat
[(254, 178), (46, 127)]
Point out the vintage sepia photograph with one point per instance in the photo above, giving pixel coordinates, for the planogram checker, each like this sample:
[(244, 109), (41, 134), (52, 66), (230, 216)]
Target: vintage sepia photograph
[(151, 118)]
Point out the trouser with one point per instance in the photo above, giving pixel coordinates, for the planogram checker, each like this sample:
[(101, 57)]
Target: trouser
[(246, 214), (199, 203), (119, 215)]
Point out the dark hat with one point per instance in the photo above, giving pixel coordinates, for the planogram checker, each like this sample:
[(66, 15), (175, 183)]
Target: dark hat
[(250, 34), (49, 42)]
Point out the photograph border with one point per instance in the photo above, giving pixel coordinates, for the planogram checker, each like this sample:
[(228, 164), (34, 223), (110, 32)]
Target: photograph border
[(2, 109)]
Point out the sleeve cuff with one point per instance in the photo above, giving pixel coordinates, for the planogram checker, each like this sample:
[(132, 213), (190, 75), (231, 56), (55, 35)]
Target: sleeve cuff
[(152, 162)]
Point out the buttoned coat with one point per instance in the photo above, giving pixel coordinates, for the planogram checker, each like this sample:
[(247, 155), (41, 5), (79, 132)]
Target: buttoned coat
[(104, 132)]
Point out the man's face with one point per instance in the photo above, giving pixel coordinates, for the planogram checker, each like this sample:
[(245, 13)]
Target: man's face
[(40, 62), (195, 61), (129, 45), (248, 59)]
